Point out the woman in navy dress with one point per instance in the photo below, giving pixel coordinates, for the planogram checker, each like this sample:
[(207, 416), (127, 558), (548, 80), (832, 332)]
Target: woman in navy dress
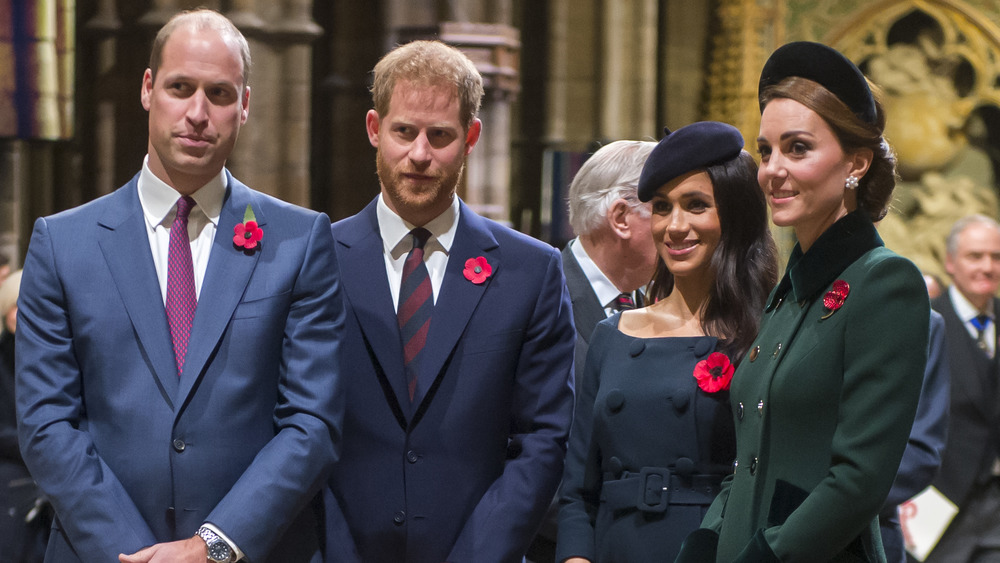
[(653, 435)]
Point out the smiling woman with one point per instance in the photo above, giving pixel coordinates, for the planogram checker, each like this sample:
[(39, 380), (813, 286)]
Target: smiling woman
[(832, 398), (715, 265)]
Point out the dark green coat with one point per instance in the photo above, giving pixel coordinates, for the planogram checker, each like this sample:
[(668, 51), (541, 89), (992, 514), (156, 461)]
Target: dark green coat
[(823, 405)]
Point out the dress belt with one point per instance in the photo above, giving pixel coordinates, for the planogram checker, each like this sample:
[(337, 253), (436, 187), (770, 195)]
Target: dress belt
[(654, 488)]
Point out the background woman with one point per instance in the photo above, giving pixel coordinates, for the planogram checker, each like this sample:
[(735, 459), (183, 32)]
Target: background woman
[(824, 402), (649, 444), (24, 517)]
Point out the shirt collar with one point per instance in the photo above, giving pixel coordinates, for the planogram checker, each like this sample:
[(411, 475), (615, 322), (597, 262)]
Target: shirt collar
[(394, 229), (807, 273), (964, 308), (605, 291), (158, 199)]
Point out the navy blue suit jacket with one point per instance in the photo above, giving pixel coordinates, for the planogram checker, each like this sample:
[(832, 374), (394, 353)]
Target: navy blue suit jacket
[(130, 453), (466, 472)]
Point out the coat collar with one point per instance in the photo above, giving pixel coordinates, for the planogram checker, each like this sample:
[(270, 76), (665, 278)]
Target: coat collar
[(838, 247)]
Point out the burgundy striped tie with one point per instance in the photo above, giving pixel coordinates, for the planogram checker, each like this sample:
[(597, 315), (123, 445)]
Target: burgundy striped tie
[(415, 305), (181, 298)]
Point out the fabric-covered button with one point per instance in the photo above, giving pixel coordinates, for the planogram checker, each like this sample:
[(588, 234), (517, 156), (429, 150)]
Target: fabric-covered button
[(615, 467), (702, 347), (615, 400), (680, 399), (636, 348), (399, 517), (754, 353), (179, 445), (684, 466)]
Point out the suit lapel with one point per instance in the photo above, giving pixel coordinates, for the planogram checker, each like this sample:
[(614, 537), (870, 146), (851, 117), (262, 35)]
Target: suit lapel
[(226, 279), (360, 254), (587, 310), (125, 245), (458, 298), (972, 380)]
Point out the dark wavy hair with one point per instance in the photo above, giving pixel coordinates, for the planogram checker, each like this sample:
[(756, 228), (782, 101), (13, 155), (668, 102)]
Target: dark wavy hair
[(876, 187), (744, 262)]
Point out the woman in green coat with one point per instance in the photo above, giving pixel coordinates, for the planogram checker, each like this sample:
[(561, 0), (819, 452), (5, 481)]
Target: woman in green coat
[(824, 401)]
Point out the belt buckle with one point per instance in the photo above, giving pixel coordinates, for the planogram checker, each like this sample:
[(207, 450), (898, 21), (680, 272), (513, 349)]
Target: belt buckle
[(654, 483)]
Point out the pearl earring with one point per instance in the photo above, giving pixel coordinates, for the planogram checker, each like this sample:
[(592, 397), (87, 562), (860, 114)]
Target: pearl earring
[(851, 183)]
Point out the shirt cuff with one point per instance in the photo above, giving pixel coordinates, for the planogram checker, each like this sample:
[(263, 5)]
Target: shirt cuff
[(237, 553)]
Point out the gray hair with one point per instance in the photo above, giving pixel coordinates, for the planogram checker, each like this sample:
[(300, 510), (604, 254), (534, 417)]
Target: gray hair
[(965, 223), (609, 174)]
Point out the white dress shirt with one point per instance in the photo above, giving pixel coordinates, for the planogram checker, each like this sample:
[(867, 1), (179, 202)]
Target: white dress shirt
[(396, 244), (159, 206), (967, 312)]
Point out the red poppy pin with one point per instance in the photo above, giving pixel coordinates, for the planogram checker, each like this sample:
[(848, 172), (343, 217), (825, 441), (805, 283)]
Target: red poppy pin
[(477, 270), (247, 235), (714, 373), (834, 299)]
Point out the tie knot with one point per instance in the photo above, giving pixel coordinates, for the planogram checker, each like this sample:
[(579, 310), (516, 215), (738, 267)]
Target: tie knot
[(420, 237), (623, 302), (184, 206)]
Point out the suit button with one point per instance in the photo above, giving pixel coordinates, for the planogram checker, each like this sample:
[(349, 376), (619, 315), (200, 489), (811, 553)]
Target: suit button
[(753, 466), (399, 517), (412, 457), (179, 445), (739, 411)]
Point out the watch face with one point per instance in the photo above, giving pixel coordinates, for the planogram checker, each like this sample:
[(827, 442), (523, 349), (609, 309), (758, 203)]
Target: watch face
[(218, 551)]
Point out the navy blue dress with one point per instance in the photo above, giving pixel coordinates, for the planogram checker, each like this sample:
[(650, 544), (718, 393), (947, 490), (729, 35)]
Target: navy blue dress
[(642, 425)]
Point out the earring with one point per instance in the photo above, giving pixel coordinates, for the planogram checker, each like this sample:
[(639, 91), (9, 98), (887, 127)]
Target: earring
[(851, 183)]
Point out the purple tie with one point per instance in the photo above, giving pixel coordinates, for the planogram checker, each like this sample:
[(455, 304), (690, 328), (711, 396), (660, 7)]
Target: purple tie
[(181, 298), (415, 306)]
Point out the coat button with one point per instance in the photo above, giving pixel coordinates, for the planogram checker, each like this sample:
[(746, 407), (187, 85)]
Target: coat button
[(615, 400), (760, 407), (702, 347), (754, 353), (753, 466), (736, 465), (680, 399), (399, 517), (636, 348), (412, 457), (615, 467), (739, 411), (179, 445), (776, 350)]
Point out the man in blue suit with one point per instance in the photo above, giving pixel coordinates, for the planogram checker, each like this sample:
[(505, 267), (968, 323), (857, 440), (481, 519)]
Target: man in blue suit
[(178, 341), (455, 428)]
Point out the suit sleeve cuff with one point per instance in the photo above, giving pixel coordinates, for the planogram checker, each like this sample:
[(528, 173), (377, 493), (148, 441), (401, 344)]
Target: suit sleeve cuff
[(237, 552)]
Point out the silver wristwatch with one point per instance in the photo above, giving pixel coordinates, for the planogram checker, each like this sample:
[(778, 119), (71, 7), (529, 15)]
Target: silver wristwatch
[(218, 550)]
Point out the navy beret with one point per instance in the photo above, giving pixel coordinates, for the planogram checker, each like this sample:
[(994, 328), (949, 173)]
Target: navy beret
[(692, 147), (823, 65)]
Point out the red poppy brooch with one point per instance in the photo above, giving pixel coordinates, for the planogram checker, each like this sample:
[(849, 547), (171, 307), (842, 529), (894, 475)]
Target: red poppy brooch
[(834, 299), (714, 373), (247, 235), (477, 270)]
